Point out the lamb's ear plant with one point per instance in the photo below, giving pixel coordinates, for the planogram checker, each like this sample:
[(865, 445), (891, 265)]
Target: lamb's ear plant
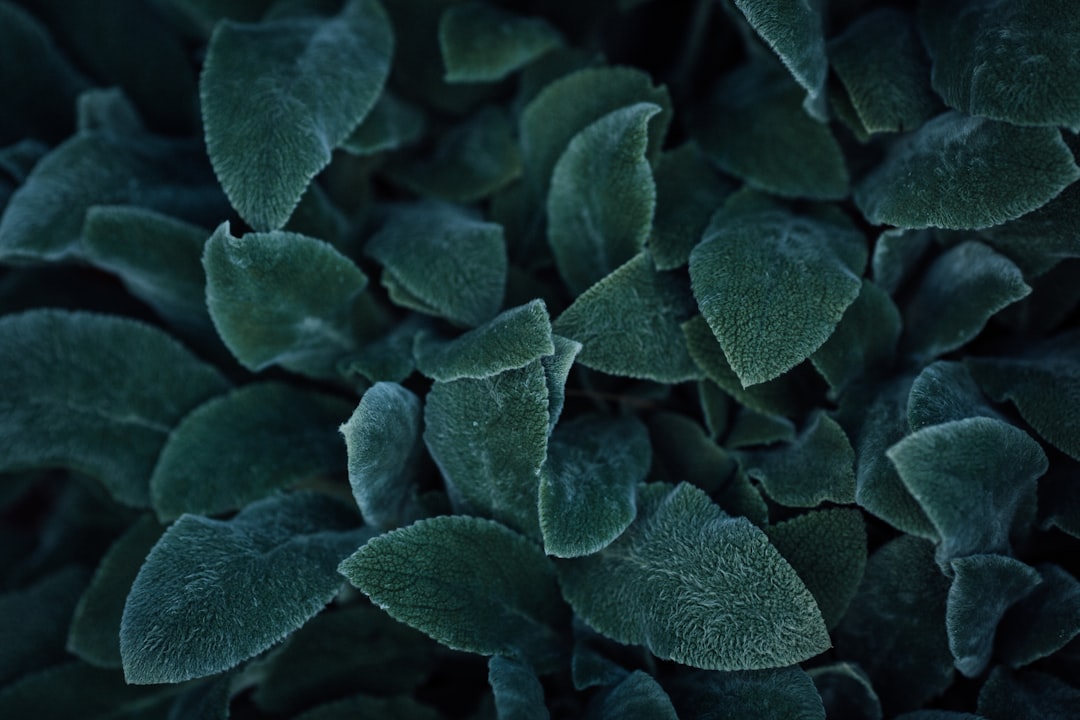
[(539, 360)]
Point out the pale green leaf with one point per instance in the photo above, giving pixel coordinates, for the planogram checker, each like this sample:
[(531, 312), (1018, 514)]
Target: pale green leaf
[(943, 392), (556, 371), (961, 172), (696, 586), (864, 343), (53, 369), (638, 697), (588, 485), (484, 43), (782, 694), (266, 88), (1027, 695), (280, 298), (1043, 622), (471, 584), (392, 123), (245, 583), (518, 692), (34, 622), (846, 692)]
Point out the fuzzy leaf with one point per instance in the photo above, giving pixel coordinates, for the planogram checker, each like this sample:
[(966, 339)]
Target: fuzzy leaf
[(204, 701), (1043, 237), (363, 706), (896, 254), (489, 439), (846, 692), (686, 453), (638, 697), (518, 692), (108, 111), (960, 172), (382, 438), (556, 371), (53, 409), (864, 343), (782, 694), (943, 392), (509, 341), (1043, 622), (1027, 695), (773, 285), (983, 588), (471, 584), (34, 621), (265, 88), (280, 298), (245, 583), (970, 477), (245, 445), (696, 586), (588, 485), (440, 261), (756, 428), (628, 324), (483, 43), (392, 123)]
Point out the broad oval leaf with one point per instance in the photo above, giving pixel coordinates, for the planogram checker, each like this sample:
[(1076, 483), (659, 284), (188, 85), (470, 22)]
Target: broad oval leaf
[(696, 586), (484, 43), (943, 392), (960, 172), (245, 445), (637, 697), (782, 694), (266, 87), (471, 584), (518, 692), (280, 298), (245, 583), (54, 413), (602, 197)]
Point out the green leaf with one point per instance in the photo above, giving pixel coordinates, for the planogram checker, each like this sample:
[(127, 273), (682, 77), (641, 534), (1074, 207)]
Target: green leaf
[(1043, 237), (895, 627), (388, 358), (782, 694), (382, 438), (591, 668), (685, 452), (1043, 383), (638, 697), (846, 692), (568, 105), (970, 477), (80, 690), (816, 467), (983, 588), (556, 371), (265, 87), (1027, 695), (483, 43), (588, 485), (696, 586), (756, 130), (929, 177), (518, 692), (773, 285), (755, 428), (204, 701), (794, 29), (881, 62), (392, 123), (53, 368), (896, 255), (471, 584), (939, 715), (280, 298), (956, 296), (392, 708), (509, 341), (94, 635), (628, 324), (943, 392), (34, 621), (245, 445), (864, 342), (108, 111), (245, 583), (441, 261), (716, 407), (1010, 61), (1043, 622), (600, 206)]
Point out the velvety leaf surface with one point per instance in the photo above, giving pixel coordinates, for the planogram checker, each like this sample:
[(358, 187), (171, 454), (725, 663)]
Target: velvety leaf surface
[(960, 172), (1043, 622), (205, 701), (685, 452), (471, 584), (388, 358), (956, 296), (773, 285), (943, 392), (896, 254), (394, 708), (489, 439), (588, 485), (756, 428), (265, 90), (509, 341), (107, 110), (696, 586), (638, 697), (246, 583), (281, 298), (80, 690), (970, 477), (628, 324), (483, 43), (846, 692), (556, 371), (781, 694), (983, 588), (53, 364), (1011, 61), (518, 692), (94, 635), (245, 445), (392, 123), (1027, 695), (895, 627), (382, 438), (1043, 237), (817, 466), (440, 261), (590, 668), (864, 342)]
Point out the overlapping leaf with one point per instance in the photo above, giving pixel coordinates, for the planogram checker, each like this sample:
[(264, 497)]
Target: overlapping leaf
[(1044, 621), (33, 623), (392, 123), (518, 692), (483, 43), (864, 343), (638, 697), (764, 694), (1026, 695)]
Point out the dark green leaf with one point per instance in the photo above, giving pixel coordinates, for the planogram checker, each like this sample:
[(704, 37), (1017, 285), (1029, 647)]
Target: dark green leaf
[(388, 358), (265, 90), (471, 584), (203, 15), (960, 172), (440, 261), (80, 690), (204, 701), (518, 692), (600, 206), (280, 298), (245, 583), (1043, 237), (756, 428), (944, 392), (896, 254), (1027, 695), (696, 586), (782, 694), (392, 123), (685, 452), (108, 111), (556, 371), (628, 324), (55, 413), (846, 692), (1043, 622), (395, 708), (638, 697), (483, 43), (588, 485), (938, 715), (590, 668), (864, 343), (715, 407)]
